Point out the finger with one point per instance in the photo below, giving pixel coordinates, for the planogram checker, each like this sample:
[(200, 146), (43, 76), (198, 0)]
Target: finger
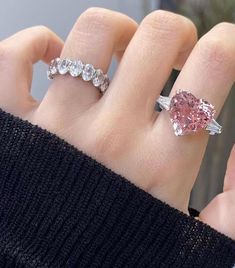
[(209, 71), (162, 40), (96, 36), (220, 212), (229, 181), (209, 74), (17, 56)]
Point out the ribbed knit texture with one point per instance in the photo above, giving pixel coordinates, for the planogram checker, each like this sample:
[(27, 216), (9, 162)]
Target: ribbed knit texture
[(61, 208)]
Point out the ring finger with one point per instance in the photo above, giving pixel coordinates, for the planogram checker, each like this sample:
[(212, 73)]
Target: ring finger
[(163, 41)]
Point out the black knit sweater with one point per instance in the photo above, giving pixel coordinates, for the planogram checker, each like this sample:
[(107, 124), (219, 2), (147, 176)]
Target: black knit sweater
[(61, 208)]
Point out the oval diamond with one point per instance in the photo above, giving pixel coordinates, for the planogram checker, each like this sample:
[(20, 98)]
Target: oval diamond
[(99, 78), (105, 85), (88, 72), (54, 66), (76, 67), (63, 66), (49, 75)]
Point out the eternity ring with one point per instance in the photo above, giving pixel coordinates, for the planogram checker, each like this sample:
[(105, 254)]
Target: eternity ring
[(76, 68), (189, 114)]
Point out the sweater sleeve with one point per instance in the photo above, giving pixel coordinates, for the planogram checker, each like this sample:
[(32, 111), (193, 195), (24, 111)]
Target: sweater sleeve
[(61, 208)]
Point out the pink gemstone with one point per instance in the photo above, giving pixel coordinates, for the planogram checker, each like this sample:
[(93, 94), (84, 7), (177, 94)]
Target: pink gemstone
[(189, 114)]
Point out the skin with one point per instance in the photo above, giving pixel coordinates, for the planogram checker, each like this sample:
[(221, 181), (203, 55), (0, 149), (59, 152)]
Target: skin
[(121, 129)]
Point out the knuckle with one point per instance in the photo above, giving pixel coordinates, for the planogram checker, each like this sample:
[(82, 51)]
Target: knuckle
[(42, 32), (42, 29), (6, 54), (167, 24), (94, 19), (109, 138), (45, 33), (216, 47), (224, 26), (214, 52), (106, 143), (93, 11)]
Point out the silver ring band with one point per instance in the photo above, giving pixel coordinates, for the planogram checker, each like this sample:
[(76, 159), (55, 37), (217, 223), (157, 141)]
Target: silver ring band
[(189, 114), (76, 68)]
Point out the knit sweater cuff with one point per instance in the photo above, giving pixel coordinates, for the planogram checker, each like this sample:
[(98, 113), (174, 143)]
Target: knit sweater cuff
[(61, 208)]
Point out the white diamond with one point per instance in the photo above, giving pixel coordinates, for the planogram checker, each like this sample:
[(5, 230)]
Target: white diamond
[(54, 65), (88, 72), (76, 67), (105, 85), (99, 78), (63, 66), (49, 75), (178, 130)]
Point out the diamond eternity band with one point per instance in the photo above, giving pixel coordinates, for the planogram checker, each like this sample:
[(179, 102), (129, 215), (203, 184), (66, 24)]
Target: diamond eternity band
[(76, 68)]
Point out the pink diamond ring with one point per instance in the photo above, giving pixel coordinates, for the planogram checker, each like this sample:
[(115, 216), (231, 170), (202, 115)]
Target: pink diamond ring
[(189, 114), (76, 68)]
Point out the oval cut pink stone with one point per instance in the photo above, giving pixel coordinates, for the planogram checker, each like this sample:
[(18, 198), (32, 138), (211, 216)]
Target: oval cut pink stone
[(189, 114)]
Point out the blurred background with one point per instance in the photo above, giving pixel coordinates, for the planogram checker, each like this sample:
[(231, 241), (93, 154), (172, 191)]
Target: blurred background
[(60, 17)]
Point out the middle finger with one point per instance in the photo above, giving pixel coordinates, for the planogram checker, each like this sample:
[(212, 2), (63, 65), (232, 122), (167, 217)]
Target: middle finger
[(162, 41)]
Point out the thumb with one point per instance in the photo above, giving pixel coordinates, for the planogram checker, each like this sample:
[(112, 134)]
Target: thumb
[(220, 212), (229, 181)]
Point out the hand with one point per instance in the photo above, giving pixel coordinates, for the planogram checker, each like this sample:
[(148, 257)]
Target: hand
[(121, 129)]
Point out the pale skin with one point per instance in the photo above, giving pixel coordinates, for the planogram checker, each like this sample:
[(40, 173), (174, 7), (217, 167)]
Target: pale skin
[(121, 129)]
